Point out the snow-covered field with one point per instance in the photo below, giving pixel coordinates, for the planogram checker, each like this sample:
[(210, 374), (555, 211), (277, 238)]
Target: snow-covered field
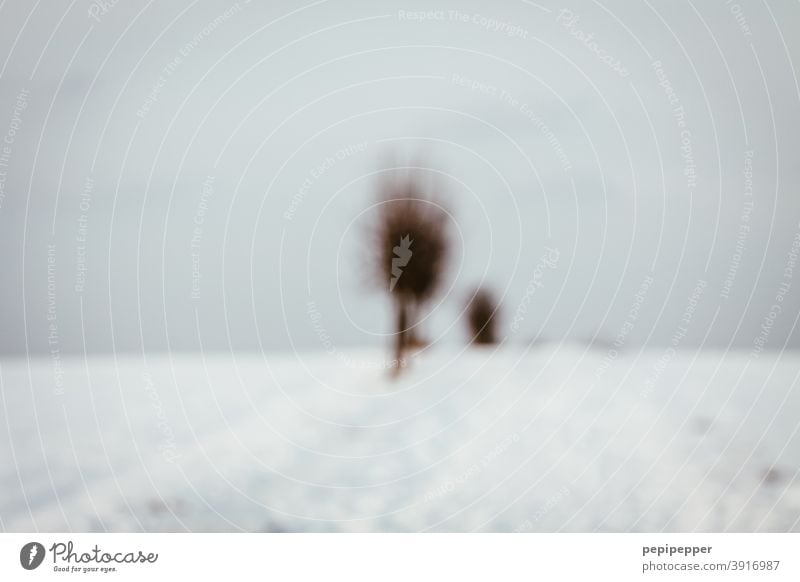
[(553, 438)]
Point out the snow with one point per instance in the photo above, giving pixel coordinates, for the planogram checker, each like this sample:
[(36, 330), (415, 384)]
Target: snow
[(551, 438)]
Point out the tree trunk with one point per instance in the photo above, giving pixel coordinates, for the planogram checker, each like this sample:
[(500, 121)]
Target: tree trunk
[(412, 340), (401, 334)]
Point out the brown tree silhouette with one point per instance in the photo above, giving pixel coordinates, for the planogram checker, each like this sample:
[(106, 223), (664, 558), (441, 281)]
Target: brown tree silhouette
[(482, 317), (410, 250)]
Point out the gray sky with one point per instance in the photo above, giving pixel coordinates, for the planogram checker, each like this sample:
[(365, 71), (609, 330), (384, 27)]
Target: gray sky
[(165, 183)]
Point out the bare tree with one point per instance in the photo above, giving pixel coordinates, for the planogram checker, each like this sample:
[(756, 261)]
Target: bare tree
[(482, 317), (410, 247)]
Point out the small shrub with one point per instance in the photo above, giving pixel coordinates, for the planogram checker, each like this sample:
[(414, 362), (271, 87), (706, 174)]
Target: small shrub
[(482, 317)]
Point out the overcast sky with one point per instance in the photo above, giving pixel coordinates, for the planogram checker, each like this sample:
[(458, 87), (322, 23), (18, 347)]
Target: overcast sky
[(199, 175)]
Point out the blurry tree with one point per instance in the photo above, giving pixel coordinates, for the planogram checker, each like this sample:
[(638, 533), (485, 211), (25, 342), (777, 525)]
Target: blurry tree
[(482, 312), (410, 247)]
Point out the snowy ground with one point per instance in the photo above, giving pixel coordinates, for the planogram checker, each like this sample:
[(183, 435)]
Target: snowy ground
[(556, 438)]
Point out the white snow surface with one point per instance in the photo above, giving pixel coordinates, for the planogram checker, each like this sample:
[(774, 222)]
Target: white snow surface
[(552, 438)]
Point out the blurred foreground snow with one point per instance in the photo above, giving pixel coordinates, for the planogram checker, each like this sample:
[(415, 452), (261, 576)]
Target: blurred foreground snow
[(557, 438)]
